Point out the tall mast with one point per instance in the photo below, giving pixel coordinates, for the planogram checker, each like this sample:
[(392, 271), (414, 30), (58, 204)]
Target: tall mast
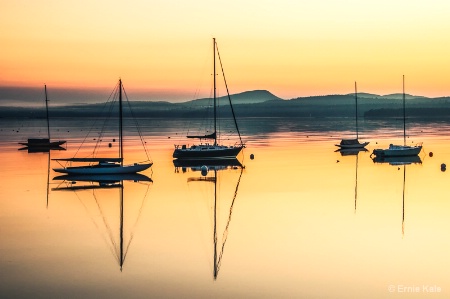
[(404, 113), (356, 110), (46, 109), (215, 108), (120, 123)]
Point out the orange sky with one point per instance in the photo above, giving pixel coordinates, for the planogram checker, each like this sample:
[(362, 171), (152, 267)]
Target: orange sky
[(291, 48)]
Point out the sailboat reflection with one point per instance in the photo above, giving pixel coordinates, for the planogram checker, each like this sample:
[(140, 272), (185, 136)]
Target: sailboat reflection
[(99, 183), (44, 150), (401, 161), (403, 200), (36, 149), (398, 160), (210, 170), (210, 164), (353, 152)]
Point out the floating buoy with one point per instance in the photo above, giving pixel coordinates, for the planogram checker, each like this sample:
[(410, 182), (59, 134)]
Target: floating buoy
[(430, 154), (114, 139), (204, 170), (443, 167), (252, 156), (109, 144)]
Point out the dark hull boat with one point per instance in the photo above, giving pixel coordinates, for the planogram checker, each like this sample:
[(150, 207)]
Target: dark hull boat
[(43, 144), (211, 149), (206, 151), (353, 143), (399, 150)]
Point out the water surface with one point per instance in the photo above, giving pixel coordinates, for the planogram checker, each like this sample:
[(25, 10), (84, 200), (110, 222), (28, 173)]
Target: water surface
[(299, 221)]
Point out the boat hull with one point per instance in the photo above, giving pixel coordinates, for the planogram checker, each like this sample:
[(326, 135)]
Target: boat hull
[(398, 151), (353, 146), (101, 169), (207, 152), (42, 143), (105, 178)]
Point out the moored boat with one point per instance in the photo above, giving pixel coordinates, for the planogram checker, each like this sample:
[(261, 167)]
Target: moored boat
[(400, 150), (211, 149), (353, 143), (105, 165)]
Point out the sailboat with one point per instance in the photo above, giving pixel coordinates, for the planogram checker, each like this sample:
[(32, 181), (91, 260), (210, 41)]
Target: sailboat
[(399, 150), (214, 150), (43, 144), (211, 176), (106, 165), (353, 143)]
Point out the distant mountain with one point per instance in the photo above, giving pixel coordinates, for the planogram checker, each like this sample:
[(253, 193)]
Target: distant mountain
[(400, 96), (262, 103), (394, 96), (246, 97)]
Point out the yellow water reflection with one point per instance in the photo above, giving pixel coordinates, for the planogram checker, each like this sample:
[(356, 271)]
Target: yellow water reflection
[(299, 221)]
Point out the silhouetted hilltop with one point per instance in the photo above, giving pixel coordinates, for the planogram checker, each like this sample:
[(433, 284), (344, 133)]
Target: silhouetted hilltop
[(247, 97), (365, 95)]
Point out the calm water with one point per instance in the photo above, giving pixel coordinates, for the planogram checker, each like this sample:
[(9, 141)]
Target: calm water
[(299, 221)]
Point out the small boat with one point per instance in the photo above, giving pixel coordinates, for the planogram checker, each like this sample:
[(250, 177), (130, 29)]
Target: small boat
[(105, 165), (400, 150), (211, 150), (43, 144), (353, 143)]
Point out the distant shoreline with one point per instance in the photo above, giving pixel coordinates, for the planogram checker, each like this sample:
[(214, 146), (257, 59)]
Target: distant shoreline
[(261, 103)]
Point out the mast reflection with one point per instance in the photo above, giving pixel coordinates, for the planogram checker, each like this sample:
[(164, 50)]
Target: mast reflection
[(78, 183), (400, 161), (209, 173), (353, 152)]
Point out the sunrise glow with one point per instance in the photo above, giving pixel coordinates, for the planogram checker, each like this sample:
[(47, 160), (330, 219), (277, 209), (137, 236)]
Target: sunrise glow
[(291, 48)]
